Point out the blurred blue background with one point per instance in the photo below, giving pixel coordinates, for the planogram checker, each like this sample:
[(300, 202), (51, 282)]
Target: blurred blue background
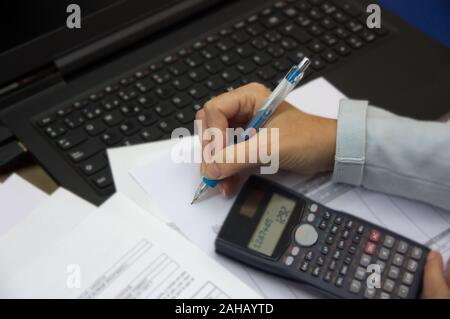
[(430, 16)]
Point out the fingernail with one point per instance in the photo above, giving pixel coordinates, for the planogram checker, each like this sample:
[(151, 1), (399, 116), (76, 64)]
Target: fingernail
[(213, 171)]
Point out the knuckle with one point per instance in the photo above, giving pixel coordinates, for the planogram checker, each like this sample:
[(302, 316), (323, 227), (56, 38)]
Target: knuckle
[(258, 86)]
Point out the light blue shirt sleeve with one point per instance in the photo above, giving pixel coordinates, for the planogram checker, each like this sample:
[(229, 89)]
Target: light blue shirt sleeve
[(385, 152)]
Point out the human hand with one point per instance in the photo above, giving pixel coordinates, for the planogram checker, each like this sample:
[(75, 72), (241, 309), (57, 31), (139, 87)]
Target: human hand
[(436, 284), (306, 143)]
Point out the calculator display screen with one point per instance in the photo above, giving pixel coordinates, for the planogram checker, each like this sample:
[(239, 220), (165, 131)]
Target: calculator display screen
[(272, 223)]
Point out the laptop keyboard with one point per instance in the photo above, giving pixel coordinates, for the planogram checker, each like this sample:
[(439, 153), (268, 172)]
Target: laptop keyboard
[(148, 104)]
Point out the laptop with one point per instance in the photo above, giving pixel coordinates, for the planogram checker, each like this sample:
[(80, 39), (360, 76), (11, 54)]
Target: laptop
[(137, 69)]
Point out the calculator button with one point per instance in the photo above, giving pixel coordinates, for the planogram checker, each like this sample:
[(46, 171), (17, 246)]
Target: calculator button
[(332, 265), (289, 261), (313, 208), (344, 270), (370, 293), (309, 255), (345, 234), (356, 239), (306, 235), (352, 249), (384, 253), (360, 273), (304, 266), (394, 272), (411, 265), (370, 248), (360, 229), (374, 235), (311, 217), (326, 215), (334, 229), (330, 240), (316, 271), (398, 260), (408, 278), (355, 286), (403, 291), (402, 247), (339, 281), (348, 260), (416, 253), (385, 295), (320, 261), (389, 285), (328, 276), (389, 241), (295, 250), (365, 260)]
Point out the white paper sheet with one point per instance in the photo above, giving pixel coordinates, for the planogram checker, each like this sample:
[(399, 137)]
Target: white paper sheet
[(17, 198), (123, 159), (49, 222), (135, 255), (318, 97)]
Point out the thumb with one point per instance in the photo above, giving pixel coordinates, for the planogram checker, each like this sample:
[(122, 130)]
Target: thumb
[(434, 284), (233, 159)]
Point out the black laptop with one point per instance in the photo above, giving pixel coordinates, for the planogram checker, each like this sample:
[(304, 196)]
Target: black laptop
[(137, 69)]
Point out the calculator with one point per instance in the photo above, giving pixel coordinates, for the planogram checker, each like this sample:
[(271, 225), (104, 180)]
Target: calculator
[(280, 231)]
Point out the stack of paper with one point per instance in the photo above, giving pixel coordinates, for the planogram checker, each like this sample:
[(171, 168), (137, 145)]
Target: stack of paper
[(60, 246)]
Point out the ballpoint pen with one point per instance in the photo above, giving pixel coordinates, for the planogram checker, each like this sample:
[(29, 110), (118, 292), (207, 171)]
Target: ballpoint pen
[(286, 85)]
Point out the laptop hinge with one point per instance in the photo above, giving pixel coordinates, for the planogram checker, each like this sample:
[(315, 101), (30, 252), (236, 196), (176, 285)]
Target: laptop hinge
[(104, 47)]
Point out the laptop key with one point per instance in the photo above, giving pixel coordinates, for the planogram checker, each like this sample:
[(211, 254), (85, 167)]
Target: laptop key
[(150, 134), (146, 118), (74, 120), (111, 137), (46, 120), (95, 128), (164, 109), (85, 150), (94, 164), (129, 127), (55, 130), (103, 179), (71, 139), (261, 59), (186, 116), (295, 32), (113, 118)]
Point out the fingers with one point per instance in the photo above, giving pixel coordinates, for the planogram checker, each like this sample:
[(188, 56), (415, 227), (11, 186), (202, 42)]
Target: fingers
[(227, 110), (434, 281)]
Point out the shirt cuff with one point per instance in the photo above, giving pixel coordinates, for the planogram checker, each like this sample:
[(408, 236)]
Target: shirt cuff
[(350, 142)]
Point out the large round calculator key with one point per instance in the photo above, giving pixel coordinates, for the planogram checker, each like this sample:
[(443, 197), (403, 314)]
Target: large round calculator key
[(306, 235)]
